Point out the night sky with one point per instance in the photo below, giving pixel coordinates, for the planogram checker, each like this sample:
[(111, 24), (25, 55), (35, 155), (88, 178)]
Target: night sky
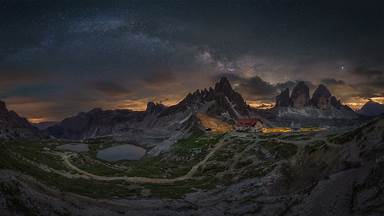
[(58, 58)]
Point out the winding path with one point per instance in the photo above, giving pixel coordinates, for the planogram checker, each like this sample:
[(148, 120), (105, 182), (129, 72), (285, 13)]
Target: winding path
[(146, 180), (142, 180)]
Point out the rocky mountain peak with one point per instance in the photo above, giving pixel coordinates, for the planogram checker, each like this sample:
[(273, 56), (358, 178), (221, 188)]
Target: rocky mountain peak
[(372, 108), (322, 91), (3, 107), (282, 99), (13, 126), (321, 105), (153, 107), (223, 86), (217, 101), (335, 103), (321, 97), (300, 95)]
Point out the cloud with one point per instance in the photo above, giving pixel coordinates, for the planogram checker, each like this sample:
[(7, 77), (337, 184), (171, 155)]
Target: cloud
[(370, 82), (289, 84), (251, 87), (256, 85), (10, 77), (331, 81), (367, 72), (160, 78), (110, 88)]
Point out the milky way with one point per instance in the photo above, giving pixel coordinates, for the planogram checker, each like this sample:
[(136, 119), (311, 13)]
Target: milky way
[(60, 58)]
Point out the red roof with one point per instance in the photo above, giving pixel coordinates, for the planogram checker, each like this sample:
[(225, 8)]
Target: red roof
[(248, 122)]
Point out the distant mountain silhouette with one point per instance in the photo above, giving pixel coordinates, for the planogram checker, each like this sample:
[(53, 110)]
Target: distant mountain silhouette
[(12, 126), (371, 108), (322, 104)]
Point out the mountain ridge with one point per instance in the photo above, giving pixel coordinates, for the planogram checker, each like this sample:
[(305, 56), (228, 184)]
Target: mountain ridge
[(12, 126), (371, 108)]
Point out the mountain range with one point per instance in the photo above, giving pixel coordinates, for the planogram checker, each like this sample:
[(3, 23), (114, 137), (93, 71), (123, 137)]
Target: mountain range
[(160, 126)]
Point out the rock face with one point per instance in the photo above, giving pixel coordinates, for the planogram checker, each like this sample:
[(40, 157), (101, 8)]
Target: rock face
[(321, 98), (12, 126), (282, 100), (372, 108), (322, 104), (96, 122), (336, 103), (220, 101), (300, 95), (158, 125), (155, 107)]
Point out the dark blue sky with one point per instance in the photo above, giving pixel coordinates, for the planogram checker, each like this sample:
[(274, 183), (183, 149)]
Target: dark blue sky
[(59, 58)]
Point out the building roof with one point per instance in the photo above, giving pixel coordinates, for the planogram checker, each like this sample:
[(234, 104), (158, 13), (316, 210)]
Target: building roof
[(248, 122)]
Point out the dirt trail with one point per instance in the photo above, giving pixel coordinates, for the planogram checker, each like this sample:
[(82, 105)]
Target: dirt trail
[(142, 180)]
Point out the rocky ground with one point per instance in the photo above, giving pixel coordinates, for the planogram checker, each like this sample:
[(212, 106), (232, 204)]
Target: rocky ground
[(317, 173)]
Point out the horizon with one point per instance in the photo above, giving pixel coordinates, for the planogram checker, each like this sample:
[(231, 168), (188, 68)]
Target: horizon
[(142, 105)]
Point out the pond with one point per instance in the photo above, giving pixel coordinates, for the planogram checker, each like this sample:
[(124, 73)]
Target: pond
[(74, 147), (121, 152)]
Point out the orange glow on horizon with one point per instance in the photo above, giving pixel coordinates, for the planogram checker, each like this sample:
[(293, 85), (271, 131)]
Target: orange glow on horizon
[(140, 105), (260, 105), (359, 102), (35, 120)]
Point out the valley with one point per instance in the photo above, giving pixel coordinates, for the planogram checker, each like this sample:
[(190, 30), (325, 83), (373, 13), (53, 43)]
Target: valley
[(210, 154), (196, 158), (198, 162)]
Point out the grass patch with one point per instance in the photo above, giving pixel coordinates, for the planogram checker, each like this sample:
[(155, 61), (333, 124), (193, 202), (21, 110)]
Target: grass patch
[(281, 150), (315, 146)]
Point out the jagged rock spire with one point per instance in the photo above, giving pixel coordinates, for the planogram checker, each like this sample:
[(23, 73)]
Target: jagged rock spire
[(321, 98), (300, 95), (223, 86), (153, 107), (224, 97), (3, 107), (282, 100)]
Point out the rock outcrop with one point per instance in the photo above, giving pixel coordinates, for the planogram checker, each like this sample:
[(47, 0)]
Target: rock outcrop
[(155, 107), (12, 126), (300, 95), (321, 98), (222, 100), (282, 100), (322, 104)]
